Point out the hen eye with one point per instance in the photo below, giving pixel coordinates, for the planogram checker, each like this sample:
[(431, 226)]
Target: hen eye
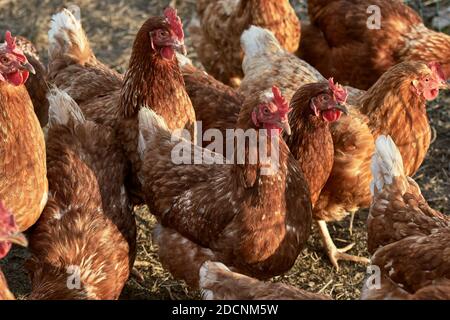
[(325, 97), (266, 110), (163, 33), (4, 60)]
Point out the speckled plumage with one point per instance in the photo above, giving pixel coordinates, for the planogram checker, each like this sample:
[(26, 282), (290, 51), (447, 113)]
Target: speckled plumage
[(216, 105), (231, 213), (222, 22), (23, 173), (88, 222), (112, 99), (339, 43), (408, 239), (389, 107)]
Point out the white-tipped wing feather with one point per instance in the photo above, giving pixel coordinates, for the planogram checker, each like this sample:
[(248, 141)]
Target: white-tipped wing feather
[(149, 124), (62, 108), (387, 163), (255, 41), (66, 35)]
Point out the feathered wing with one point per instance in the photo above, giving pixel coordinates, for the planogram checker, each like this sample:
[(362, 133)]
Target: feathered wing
[(86, 209), (398, 208), (217, 282), (411, 264), (216, 105), (74, 68), (181, 191)]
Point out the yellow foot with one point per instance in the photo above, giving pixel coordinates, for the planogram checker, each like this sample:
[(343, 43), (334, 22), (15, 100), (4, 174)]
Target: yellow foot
[(334, 253)]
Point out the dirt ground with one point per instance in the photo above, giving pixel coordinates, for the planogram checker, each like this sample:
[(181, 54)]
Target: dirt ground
[(111, 26)]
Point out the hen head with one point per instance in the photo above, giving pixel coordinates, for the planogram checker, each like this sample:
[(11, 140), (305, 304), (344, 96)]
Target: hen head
[(14, 66), (9, 231), (165, 33), (330, 104), (272, 113), (428, 82)]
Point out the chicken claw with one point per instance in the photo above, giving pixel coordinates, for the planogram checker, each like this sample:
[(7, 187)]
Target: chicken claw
[(335, 254)]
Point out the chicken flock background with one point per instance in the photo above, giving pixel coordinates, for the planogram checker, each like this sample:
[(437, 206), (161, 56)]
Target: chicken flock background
[(111, 26)]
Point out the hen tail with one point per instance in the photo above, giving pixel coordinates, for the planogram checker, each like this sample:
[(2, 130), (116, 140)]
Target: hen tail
[(62, 108), (387, 164), (149, 125), (257, 41), (67, 38)]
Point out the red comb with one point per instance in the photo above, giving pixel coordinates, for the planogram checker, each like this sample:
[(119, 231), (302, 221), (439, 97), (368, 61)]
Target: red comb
[(339, 93), (10, 41), (280, 101), (11, 46), (436, 68), (175, 22)]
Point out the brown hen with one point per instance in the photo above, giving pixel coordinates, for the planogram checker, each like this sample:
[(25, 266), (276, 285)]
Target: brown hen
[(408, 239), (252, 216), (216, 39), (23, 181), (153, 80), (84, 244), (344, 42)]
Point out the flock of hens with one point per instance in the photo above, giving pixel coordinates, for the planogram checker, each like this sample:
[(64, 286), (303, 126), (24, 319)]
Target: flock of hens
[(82, 144)]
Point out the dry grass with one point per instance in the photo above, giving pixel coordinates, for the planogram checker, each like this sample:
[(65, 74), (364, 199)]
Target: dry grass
[(111, 26)]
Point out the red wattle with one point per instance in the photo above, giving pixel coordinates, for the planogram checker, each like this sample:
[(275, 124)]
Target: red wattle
[(4, 248), (15, 78), (332, 115), (167, 53), (431, 94)]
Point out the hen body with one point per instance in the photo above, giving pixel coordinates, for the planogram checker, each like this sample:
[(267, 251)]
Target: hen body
[(339, 42), (408, 239), (84, 244), (254, 222), (109, 98), (216, 40), (23, 172)]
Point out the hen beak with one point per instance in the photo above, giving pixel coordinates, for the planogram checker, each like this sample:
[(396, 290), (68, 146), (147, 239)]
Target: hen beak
[(28, 67), (180, 47), (17, 238), (445, 85), (286, 127), (342, 107)]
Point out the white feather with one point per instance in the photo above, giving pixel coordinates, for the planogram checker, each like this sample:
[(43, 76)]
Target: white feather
[(62, 108), (387, 163), (255, 40), (62, 25), (149, 124)]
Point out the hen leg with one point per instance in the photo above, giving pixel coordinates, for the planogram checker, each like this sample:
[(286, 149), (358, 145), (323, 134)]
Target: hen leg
[(352, 218), (334, 253)]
